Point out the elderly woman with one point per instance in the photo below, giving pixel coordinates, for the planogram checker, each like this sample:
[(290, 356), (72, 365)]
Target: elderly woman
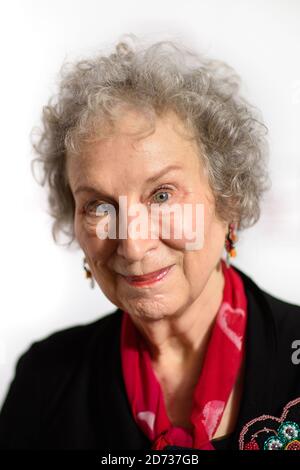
[(196, 354)]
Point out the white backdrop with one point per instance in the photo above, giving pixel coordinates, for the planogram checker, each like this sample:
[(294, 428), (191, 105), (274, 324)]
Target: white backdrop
[(43, 288)]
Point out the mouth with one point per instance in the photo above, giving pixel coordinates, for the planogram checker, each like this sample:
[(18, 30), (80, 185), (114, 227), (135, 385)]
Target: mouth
[(149, 278)]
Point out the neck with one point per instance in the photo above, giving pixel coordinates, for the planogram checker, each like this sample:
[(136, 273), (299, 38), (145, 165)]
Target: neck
[(184, 337)]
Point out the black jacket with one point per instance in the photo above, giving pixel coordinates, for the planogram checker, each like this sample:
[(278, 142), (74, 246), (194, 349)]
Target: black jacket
[(68, 390)]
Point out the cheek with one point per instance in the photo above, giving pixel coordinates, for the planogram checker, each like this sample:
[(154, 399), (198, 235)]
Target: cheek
[(202, 235), (85, 228), (187, 227), (86, 235)]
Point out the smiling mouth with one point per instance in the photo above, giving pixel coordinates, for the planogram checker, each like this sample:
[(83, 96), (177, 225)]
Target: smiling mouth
[(148, 278)]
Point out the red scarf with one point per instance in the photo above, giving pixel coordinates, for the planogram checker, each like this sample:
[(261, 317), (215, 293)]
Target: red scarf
[(220, 369)]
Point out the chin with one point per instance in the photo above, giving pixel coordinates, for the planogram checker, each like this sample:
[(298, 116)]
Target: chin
[(147, 310)]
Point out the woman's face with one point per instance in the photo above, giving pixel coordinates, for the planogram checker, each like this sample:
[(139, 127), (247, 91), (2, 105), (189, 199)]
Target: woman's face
[(122, 165)]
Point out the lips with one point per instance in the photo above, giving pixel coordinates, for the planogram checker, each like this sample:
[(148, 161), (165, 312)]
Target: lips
[(150, 276)]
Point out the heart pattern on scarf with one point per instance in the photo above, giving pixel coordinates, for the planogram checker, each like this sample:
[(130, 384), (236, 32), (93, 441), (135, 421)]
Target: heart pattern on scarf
[(211, 412), (230, 324), (148, 417)]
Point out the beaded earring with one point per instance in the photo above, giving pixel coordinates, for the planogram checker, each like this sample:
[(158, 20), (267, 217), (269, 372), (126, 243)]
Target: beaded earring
[(88, 273), (231, 239)]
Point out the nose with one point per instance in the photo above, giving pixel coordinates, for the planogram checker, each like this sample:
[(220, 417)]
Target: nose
[(134, 249), (137, 239)]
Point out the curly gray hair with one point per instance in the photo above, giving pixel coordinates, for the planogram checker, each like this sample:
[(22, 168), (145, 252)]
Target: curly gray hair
[(164, 76)]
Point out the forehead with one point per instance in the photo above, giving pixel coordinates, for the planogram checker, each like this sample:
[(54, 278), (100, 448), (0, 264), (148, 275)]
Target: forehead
[(129, 150)]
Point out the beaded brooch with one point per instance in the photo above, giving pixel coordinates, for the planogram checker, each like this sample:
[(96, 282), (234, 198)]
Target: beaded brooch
[(271, 433)]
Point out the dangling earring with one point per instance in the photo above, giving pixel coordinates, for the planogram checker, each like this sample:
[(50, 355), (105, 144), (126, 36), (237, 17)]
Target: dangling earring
[(231, 239), (88, 273)]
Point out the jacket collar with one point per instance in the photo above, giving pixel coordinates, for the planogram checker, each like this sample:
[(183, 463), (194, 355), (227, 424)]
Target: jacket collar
[(260, 358)]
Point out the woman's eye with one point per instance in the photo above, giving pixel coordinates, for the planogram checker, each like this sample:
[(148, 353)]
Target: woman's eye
[(100, 209), (160, 195)]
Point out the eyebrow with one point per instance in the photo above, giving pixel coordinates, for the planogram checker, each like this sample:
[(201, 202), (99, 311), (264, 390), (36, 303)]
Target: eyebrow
[(153, 178), (165, 170)]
